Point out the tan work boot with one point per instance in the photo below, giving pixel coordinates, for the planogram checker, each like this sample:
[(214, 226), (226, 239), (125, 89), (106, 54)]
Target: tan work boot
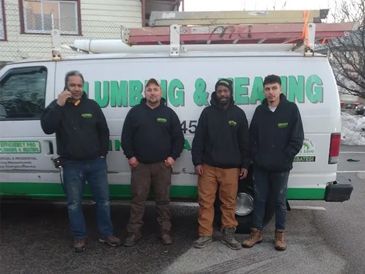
[(255, 238), (280, 240)]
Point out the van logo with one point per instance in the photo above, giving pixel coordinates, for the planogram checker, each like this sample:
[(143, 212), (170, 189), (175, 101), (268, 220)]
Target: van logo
[(283, 125), (161, 120), (87, 115), (232, 123)]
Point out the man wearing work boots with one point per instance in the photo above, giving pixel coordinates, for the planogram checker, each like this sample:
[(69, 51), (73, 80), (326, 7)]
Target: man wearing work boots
[(220, 155), (276, 136), (151, 140), (82, 136)]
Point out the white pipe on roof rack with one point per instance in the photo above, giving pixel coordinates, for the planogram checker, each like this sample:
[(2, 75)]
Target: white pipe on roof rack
[(117, 46)]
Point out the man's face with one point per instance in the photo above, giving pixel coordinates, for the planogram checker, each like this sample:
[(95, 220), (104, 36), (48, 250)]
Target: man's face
[(223, 95), (74, 85), (153, 94), (272, 93)]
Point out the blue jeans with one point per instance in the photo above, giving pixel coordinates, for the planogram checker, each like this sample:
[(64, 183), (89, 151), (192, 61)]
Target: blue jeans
[(275, 183), (75, 174)]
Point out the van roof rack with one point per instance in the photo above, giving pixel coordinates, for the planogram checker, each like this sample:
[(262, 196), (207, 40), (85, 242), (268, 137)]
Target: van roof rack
[(296, 34), (232, 34)]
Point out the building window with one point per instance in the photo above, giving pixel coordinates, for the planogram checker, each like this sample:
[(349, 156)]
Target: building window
[(2, 21), (38, 16)]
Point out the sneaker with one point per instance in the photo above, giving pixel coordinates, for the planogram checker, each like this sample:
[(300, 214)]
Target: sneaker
[(79, 245), (203, 241), (132, 239), (229, 240), (110, 241), (166, 238)]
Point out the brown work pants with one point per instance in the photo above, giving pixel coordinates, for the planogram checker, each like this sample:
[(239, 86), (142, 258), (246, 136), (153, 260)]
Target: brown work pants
[(143, 176), (227, 180)]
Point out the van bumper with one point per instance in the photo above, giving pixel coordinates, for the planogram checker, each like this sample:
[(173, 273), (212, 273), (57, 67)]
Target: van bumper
[(338, 192)]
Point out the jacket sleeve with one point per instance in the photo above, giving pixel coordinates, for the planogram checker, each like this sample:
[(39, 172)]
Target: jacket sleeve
[(103, 132), (254, 136), (296, 135), (197, 150), (51, 118), (177, 137), (244, 144), (127, 136)]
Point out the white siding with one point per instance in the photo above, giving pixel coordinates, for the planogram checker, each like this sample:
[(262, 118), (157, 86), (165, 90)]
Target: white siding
[(99, 20)]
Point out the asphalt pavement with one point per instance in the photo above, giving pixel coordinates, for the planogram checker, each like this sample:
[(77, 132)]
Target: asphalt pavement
[(322, 238)]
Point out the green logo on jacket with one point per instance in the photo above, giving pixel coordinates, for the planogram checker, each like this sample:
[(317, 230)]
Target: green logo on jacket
[(161, 120), (232, 123), (87, 115), (283, 125)]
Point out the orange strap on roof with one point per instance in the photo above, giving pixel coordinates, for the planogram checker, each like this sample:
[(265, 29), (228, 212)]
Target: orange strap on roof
[(305, 32)]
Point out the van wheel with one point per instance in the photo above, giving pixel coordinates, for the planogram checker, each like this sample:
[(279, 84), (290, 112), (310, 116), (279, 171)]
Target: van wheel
[(245, 197)]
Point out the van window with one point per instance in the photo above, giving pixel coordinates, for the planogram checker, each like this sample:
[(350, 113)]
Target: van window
[(22, 93)]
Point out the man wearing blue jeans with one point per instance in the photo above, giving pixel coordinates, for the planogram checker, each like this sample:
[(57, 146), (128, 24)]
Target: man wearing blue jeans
[(276, 136), (82, 138)]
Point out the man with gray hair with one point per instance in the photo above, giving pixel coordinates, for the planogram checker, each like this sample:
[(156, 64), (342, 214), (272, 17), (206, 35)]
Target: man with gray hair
[(82, 136)]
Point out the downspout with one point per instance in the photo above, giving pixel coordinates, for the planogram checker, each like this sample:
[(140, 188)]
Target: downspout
[(143, 10)]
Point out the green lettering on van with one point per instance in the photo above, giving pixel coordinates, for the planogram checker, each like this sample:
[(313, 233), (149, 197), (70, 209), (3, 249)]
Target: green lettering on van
[(314, 89), (284, 85), (119, 94), (176, 94), (296, 89), (135, 92), (257, 93), (102, 95), (241, 90), (200, 93), (187, 145)]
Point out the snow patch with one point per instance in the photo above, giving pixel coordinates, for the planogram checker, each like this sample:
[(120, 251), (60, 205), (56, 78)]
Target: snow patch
[(353, 129)]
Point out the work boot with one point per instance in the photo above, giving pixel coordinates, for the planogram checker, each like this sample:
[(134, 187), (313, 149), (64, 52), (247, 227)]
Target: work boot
[(132, 239), (203, 241), (255, 238), (110, 240), (229, 240), (79, 245), (280, 240), (166, 238)]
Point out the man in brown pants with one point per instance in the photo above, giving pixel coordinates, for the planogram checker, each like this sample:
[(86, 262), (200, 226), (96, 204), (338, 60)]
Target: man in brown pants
[(151, 140), (220, 156)]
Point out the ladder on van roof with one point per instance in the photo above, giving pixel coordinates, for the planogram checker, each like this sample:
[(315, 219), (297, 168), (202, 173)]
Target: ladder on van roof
[(297, 28), (294, 34)]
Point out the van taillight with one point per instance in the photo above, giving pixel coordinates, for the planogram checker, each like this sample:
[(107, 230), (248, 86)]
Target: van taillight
[(334, 148)]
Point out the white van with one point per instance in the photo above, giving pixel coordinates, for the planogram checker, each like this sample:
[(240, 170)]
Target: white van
[(116, 82)]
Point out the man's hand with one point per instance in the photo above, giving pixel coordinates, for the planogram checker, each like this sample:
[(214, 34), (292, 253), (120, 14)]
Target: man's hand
[(243, 173), (199, 170), (62, 97), (169, 162), (133, 162)]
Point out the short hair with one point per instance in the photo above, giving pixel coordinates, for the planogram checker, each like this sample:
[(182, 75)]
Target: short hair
[(272, 79), (73, 73), (152, 81)]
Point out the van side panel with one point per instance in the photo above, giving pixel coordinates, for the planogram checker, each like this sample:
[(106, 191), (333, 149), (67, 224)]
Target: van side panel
[(187, 82)]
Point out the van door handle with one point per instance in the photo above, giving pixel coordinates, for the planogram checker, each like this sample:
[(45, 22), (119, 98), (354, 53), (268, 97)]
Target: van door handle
[(49, 143)]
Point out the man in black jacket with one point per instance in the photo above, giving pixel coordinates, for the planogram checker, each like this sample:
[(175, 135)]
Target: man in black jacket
[(220, 155), (151, 140), (82, 138), (276, 136)]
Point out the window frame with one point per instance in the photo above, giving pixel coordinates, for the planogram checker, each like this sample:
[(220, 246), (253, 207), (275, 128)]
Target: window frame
[(2, 13), (22, 20)]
